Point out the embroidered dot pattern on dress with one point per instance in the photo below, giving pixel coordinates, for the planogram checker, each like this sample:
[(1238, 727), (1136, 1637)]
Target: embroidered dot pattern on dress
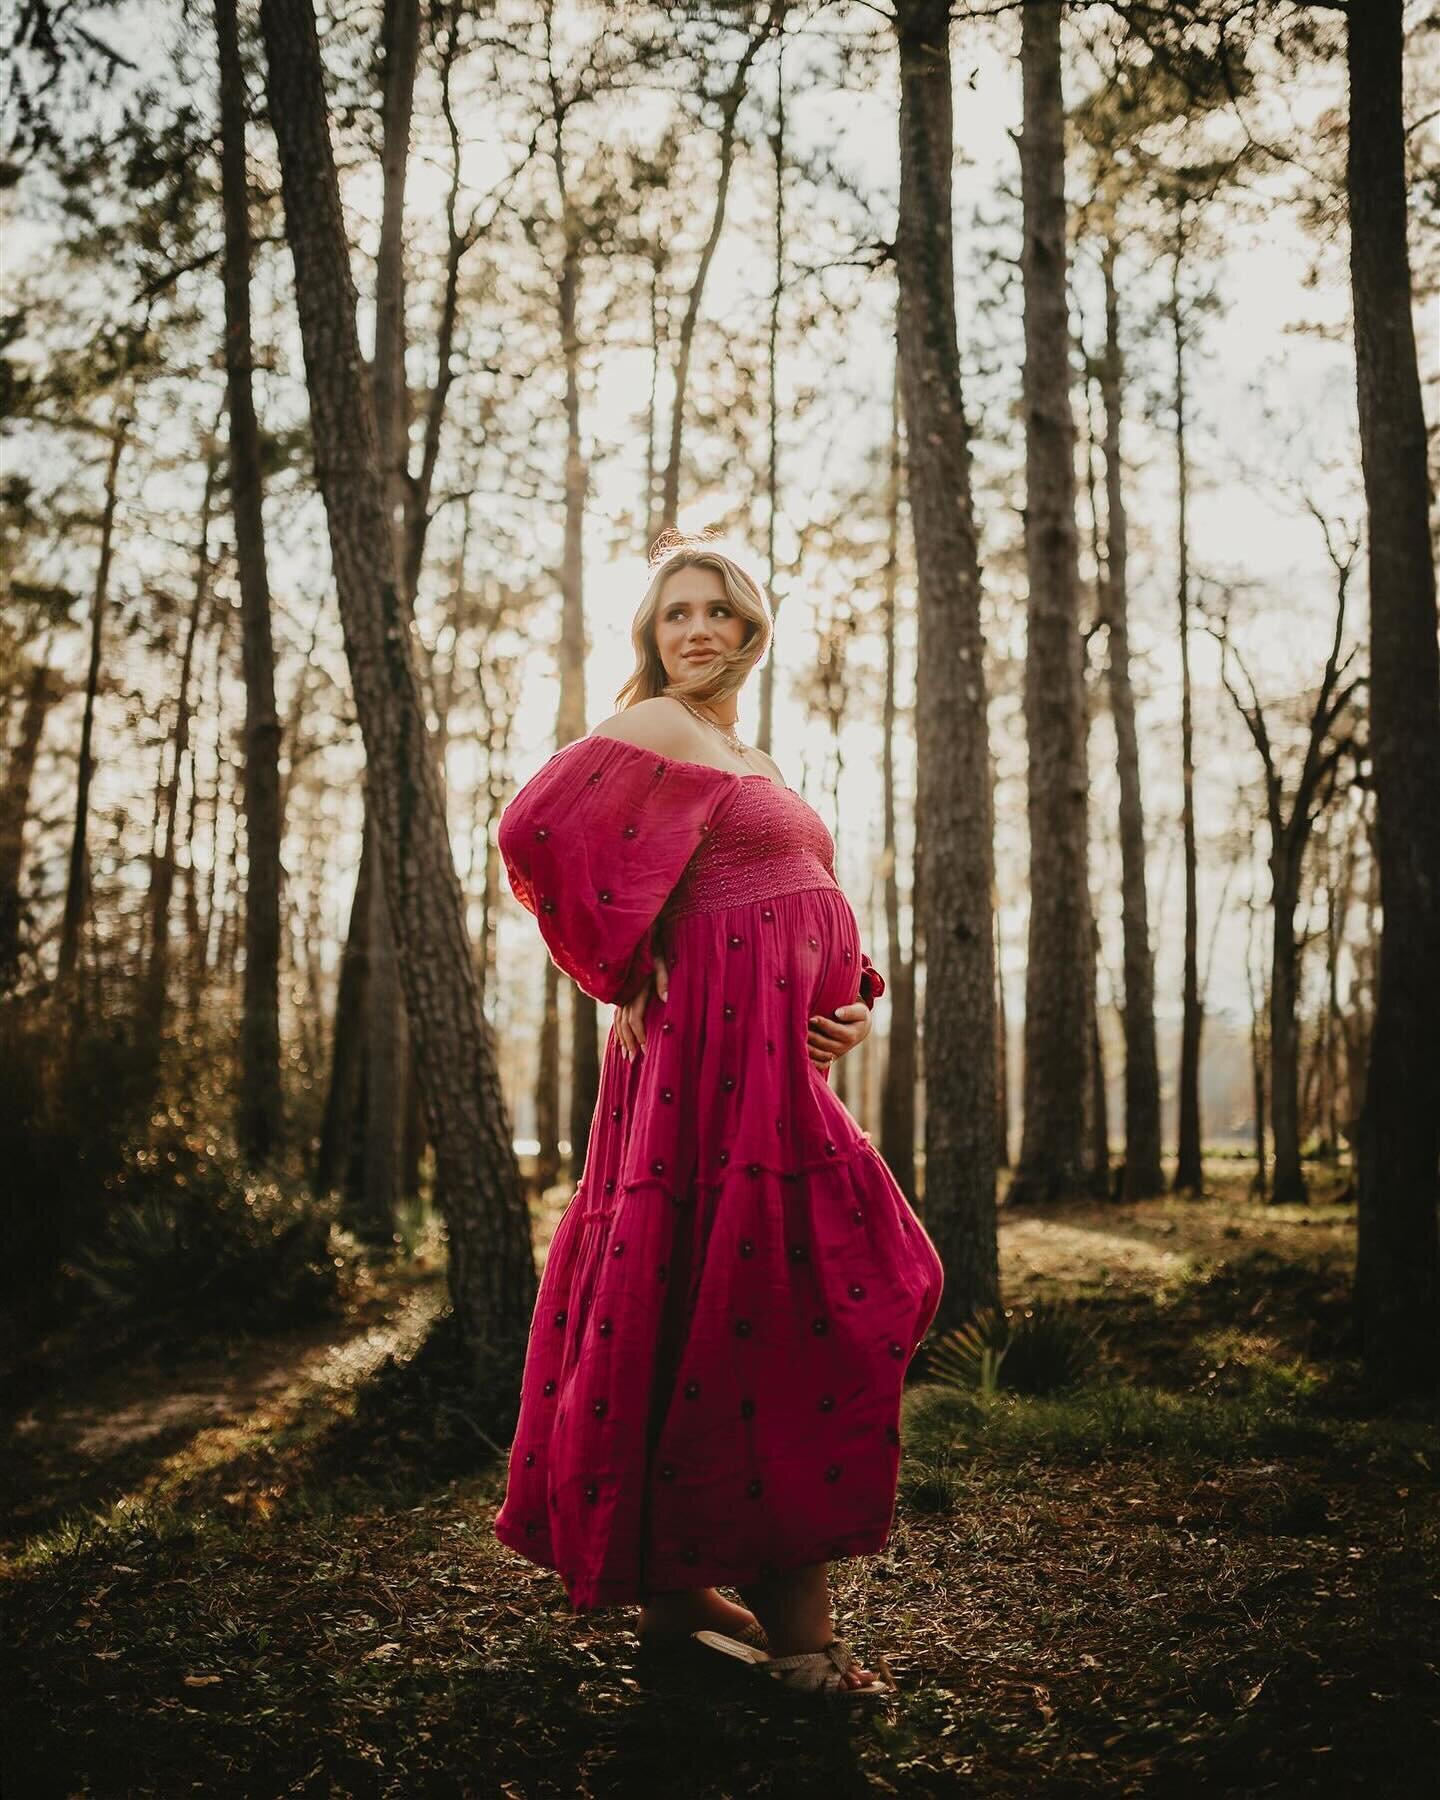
[(734, 1237)]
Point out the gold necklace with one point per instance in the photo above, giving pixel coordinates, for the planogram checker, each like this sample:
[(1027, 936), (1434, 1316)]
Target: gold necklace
[(730, 735)]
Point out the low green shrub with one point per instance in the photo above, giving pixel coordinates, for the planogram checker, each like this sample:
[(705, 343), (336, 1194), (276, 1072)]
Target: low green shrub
[(1039, 1349), (189, 1236)]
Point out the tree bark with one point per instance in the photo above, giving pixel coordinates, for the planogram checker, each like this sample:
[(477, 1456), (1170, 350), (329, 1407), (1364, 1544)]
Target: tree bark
[(1144, 1176), (1289, 1179), (1261, 1185), (491, 1266), (584, 1050), (1189, 1169), (41, 689), (897, 1101), (371, 1203), (260, 1120), (1002, 1054), (400, 52), (78, 874), (347, 1044), (953, 811), (765, 732), (162, 874), (547, 1082), (1398, 1267), (1055, 1155), (1097, 1111)]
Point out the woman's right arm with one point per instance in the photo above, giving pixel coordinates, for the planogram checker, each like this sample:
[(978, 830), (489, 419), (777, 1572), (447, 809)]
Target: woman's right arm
[(594, 843)]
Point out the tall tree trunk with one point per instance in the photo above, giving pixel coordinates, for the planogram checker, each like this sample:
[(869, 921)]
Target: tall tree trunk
[(765, 733), (547, 1082), (260, 1122), (190, 907), (1054, 1152), (347, 1041), (1339, 885), (584, 1052), (1258, 1091), (1189, 1171), (373, 1191), (162, 872), (491, 1263), (953, 811), (1398, 1269), (1002, 1055), (77, 877), (40, 693), (1289, 1180), (1097, 1111), (841, 1073), (372, 1209), (897, 1101), (1144, 1176), (400, 51)]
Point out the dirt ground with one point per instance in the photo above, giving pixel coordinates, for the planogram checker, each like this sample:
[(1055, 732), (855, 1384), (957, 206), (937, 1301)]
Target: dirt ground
[(267, 1567)]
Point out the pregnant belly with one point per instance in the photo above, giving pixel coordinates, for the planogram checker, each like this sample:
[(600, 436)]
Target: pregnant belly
[(800, 949), (835, 972)]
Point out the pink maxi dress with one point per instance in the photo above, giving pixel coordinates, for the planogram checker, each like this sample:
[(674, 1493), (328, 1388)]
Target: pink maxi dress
[(731, 1298)]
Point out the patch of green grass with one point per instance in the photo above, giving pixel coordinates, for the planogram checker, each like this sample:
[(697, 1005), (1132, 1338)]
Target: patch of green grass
[(1097, 1421)]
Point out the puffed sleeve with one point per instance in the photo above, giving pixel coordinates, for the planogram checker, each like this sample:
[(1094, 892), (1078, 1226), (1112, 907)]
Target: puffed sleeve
[(593, 844)]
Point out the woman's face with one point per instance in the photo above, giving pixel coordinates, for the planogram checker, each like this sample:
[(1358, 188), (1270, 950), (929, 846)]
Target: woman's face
[(695, 622)]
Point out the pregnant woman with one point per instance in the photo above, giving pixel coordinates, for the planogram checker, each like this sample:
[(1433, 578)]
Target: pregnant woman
[(732, 1296)]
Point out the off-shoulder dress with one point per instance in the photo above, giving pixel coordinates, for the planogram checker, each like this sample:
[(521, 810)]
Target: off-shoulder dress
[(712, 1384)]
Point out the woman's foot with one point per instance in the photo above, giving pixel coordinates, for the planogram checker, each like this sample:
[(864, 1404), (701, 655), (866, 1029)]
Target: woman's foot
[(795, 1611), (833, 1672), (677, 1614), (807, 1642)]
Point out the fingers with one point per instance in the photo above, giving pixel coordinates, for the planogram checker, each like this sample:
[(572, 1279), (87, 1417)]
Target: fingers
[(630, 1026), (829, 1038), (662, 976), (841, 1036), (828, 1030)]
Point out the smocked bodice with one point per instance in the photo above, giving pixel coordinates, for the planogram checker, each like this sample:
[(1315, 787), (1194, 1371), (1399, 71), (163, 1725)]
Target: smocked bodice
[(766, 842)]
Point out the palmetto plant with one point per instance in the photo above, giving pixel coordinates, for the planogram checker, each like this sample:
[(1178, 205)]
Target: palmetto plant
[(243, 1249), (1036, 1349)]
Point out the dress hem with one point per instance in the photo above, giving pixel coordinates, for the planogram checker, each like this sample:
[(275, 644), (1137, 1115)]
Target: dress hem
[(865, 1542)]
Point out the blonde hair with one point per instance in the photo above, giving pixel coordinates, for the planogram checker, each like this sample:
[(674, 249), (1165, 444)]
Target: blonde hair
[(671, 552)]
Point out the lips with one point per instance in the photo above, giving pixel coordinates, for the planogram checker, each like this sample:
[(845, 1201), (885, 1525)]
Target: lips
[(697, 656)]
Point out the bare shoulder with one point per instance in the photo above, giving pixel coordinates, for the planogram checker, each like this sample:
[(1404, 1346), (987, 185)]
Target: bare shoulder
[(771, 764), (657, 724)]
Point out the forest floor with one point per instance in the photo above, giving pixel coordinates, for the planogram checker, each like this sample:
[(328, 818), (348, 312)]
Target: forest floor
[(267, 1568)]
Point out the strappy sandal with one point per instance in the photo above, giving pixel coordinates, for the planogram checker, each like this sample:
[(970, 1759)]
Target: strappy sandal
[(821, 1673), (750, 1643)]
